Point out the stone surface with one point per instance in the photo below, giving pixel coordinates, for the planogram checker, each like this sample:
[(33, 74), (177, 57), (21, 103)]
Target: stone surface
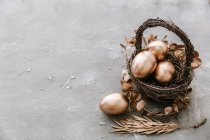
[(44, 43)]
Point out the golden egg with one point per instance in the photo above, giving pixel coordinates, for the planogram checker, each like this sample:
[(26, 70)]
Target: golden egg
[(113, 104), (159, 49), (164, 71), (143, 64)]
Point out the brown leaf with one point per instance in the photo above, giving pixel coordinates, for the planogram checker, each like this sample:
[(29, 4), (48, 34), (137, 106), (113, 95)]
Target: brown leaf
[(195, 63), (126, 86), (138, 98), (172, 47), (180, 47), (174, 44), (140, 105), (133, 105), (175, 108), (186, 100), (129, 95), (180, 55), (168, 110), (125, 76), (131, 41), (195, 54), (133, 95), (154, 38), (149, 39), (189, 90)]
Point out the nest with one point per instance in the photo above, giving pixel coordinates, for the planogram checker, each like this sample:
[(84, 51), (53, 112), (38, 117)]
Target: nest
[(184, 74)]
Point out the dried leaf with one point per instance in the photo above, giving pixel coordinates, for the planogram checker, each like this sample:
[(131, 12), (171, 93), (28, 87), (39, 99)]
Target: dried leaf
[(133, 95), (175, 108), (180, 47), (196, 63), (138, 98), (168, 110), (154, 37), (125, 76), (189, 90), (133, 105), (144, 126), (140, 105), (180, 55), (126, 86), (149, 39), (172, 47), (131, 41), (195, 54), (186, 100), (129, 95)]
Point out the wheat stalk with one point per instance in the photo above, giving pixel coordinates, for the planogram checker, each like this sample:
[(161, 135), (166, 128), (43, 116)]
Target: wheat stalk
[(143, 126)]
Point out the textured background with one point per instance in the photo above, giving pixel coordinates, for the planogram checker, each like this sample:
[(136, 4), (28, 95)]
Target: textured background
[(58, 58)]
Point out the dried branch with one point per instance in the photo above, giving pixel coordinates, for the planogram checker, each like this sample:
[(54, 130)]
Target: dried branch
[(143, 126)]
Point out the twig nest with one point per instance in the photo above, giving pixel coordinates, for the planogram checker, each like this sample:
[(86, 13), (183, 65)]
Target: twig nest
[(158, 48), (164, 72), (113, 104), (143, 64)]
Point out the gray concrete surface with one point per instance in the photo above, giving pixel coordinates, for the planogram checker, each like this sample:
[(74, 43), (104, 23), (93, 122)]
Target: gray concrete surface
[(58, 58)]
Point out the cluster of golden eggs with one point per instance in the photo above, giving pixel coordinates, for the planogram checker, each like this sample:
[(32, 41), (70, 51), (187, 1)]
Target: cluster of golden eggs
[(152, 61)]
